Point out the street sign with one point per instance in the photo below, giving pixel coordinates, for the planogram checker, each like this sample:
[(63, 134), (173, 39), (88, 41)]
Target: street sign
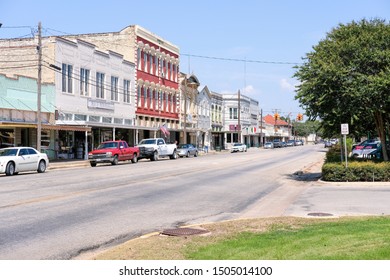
[(344, 129)]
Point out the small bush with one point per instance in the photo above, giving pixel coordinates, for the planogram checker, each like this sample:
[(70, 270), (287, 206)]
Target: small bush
[(333, 154)]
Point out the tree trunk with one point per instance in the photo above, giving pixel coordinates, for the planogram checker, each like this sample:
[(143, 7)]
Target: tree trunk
[(381, 133)]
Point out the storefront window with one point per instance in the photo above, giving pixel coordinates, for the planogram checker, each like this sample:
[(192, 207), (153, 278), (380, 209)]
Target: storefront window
[(45, 139), (7, 138)]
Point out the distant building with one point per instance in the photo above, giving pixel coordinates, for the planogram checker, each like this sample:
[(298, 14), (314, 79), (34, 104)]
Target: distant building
[(241, 114), (204, 117), (276, 129), (217, 121)]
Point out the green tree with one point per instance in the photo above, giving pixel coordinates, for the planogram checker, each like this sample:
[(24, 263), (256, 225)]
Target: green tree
[(346, 79), (304, 129)]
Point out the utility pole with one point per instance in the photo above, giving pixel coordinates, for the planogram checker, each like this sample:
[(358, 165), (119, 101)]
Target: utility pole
[(39, 119), (185, 111), (261, 127), (239, 116)]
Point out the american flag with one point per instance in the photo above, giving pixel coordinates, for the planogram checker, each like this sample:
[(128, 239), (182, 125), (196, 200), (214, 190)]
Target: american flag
[(164, 130)]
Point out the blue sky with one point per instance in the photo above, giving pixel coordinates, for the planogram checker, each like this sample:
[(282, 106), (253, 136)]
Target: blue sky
[(258, 41)]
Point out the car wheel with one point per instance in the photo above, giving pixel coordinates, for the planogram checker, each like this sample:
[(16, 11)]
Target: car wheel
[(154, 156), (93, 164), (196, 154), (355, 155), (174, 155), (134, 159), (41, 166), (10, 169), (115, 161)]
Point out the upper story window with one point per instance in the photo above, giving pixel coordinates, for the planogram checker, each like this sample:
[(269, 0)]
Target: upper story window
[(84, 81), (151, 64), (139, 57), (114, 88), (126, 91), (139, 96), (166, 69), (67, 81), (99, 85), (156, 66), (145, 62), (233, 113), (171, 71)]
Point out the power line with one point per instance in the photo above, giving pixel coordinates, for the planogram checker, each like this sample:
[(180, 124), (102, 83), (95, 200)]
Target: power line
[(239, 60), (16, 27)]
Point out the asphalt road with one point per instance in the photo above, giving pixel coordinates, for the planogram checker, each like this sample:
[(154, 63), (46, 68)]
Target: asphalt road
[(63, 213)]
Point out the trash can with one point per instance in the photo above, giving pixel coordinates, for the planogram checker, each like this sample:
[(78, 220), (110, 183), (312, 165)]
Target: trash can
[(218, 148)]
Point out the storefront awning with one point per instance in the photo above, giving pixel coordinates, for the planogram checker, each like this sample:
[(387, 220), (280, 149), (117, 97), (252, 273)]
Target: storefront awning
[(44, 126), (66, 127)]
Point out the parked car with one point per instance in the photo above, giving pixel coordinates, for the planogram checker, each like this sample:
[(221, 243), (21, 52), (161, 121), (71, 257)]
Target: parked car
[(328, 144), (277, 143), (290, 143), (369, 150), (268, 145), (238, 147), (365, 142), (299, 143), (20, 159), (113, 152), (187, 150), (155, 148), (284, 144)]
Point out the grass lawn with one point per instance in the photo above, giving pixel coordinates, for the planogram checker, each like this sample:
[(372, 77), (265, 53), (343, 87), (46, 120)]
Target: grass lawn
[(362, 239), (282, 238)]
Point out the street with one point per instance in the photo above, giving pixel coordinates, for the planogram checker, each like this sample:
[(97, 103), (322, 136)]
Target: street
[(63, 213)]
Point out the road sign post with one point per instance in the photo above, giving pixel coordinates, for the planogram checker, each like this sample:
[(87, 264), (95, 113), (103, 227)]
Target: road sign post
[(345, 132)]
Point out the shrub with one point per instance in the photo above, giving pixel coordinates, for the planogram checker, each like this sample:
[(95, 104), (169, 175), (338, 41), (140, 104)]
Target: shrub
[(356, 171)]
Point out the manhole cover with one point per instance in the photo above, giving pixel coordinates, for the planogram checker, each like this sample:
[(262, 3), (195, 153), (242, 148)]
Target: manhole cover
[(320, 214), (183, 231)]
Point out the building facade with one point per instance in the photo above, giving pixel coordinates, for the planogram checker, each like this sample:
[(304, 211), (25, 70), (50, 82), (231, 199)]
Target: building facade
[(276, 129), (241, 115), (217, 121), (204, 118), (127, 85), (18, 113), (94, 88), (188, 108), (157, 94)]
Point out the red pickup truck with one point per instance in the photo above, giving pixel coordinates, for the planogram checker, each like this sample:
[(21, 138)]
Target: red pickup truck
[(113, 152)]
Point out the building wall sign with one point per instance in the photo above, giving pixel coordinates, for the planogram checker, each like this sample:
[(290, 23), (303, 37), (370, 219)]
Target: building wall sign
[(100, 104), (234, 127)]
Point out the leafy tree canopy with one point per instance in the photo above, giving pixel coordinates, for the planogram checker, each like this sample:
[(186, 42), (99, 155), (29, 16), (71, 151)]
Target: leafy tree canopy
[(346, 78)]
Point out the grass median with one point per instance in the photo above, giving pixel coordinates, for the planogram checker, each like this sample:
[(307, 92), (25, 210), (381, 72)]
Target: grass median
[(285, 238)]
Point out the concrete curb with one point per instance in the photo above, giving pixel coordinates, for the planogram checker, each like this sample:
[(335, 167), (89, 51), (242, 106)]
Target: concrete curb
[(68, 164)]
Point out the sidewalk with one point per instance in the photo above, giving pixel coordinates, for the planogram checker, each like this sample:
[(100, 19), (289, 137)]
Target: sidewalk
[(73, 163)]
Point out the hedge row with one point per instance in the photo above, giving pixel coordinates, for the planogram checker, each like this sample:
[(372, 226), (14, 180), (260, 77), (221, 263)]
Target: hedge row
[(356, 171)]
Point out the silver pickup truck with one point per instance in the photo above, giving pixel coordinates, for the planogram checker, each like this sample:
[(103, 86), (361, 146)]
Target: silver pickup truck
[(155, 148)]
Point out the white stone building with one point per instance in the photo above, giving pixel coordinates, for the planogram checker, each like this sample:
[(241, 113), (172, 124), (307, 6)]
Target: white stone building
[(94, 88)]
